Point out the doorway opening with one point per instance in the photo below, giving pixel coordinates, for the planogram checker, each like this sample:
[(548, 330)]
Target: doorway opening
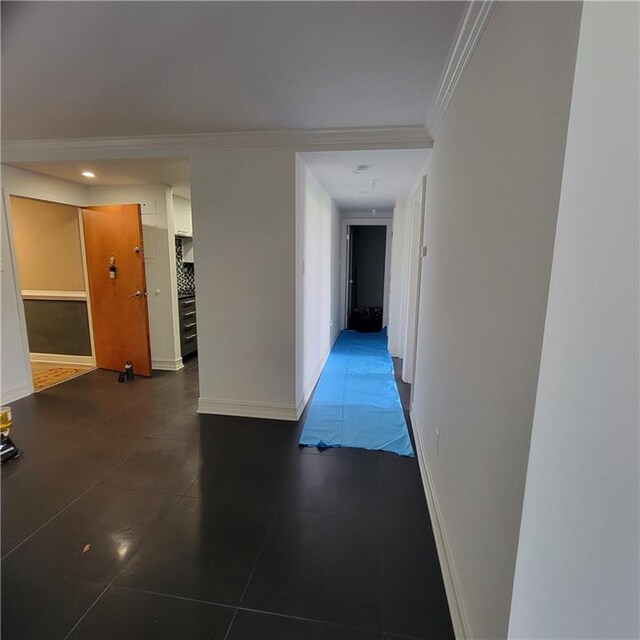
[(50, 260), (103, 265), (83, 288), (366, 266)]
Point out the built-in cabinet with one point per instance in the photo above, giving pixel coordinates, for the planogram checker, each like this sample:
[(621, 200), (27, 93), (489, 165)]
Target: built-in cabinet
[(188, 324), (182, 217), (186, 277)]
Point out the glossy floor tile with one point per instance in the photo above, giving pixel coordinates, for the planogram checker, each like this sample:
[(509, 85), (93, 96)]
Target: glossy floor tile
[(249, 625), (131, 516), (128, 614), (320, 567), (200, 551)]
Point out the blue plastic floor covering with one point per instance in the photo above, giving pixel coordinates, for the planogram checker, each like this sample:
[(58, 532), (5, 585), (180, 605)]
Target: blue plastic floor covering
[(356, 403)]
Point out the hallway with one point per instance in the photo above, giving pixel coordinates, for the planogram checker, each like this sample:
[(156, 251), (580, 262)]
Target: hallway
[(129, 516)]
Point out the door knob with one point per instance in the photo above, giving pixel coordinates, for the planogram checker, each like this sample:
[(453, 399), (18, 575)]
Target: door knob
[(137, 294)]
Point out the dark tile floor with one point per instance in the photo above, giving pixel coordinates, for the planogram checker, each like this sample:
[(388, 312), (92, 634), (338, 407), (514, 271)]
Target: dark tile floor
[(205, 526)]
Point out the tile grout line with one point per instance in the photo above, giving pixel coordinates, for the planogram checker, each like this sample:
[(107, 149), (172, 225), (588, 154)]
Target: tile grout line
[(267, 613), (259, 554), (93, 604), (233, 619)]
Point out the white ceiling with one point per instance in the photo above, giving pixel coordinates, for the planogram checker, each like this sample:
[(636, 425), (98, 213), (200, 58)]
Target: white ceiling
[(173, 172), (85, 69), (394, 172)]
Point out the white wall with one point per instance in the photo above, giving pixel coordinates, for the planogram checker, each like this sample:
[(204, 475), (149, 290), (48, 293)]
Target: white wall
[(361, 215), (492, 200), (243, 204), (578, 562), (183, 222), (17, 182), (318, 222), (159, 262)]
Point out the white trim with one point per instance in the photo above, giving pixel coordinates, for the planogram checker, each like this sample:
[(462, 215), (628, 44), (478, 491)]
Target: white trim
[(167, 364), (16, 392), (37, 294), (459, 618), (308, 390), (85, 148), (61, 358), (471, 27), (365, 222), (266, 410), (85, 278)]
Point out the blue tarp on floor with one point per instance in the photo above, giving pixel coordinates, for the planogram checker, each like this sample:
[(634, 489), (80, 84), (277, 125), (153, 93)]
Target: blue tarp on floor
[(356, 403)]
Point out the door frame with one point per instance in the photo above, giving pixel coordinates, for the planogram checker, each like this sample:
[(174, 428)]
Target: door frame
[(22, 294), (22, 320), (416, 227), (365, 222)]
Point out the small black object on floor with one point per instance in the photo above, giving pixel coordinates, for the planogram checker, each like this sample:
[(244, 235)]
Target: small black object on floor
[(369, 320), (8, 450), (128, 373)]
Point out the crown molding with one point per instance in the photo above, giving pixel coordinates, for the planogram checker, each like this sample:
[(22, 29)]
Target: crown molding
[(471, 27), (183, 145)]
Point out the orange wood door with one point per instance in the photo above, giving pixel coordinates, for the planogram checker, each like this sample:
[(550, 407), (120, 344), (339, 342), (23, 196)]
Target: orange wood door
[(119, 304)]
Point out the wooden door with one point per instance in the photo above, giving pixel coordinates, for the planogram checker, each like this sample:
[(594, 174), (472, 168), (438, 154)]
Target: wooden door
[(113, 238)]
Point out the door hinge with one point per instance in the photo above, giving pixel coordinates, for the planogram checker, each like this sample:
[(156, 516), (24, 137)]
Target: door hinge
[(423, 251)]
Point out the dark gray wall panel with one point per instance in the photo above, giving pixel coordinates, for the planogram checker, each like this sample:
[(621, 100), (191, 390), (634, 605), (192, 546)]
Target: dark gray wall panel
[(58, 326)]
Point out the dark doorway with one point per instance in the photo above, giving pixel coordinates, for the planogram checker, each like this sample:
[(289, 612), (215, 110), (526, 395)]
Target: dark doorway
[(365, 275)]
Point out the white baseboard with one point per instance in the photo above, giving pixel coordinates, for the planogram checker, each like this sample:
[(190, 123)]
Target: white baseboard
[(308, 390), (248, 409), (17, 391), (167, 364), (58, 358), (451, 583)]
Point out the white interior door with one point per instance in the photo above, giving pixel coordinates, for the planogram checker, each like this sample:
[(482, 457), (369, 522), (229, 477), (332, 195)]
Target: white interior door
[(416, 221), (349, 277)]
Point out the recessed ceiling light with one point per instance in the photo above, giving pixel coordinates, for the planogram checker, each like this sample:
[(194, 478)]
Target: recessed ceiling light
[(88, 174)]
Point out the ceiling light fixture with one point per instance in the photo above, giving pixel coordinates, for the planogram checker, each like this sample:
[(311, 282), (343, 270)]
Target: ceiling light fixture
[(88, 174)]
